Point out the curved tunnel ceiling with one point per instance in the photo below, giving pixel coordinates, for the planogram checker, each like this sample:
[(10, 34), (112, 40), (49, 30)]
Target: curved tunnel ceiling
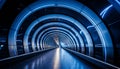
[(60, 23)]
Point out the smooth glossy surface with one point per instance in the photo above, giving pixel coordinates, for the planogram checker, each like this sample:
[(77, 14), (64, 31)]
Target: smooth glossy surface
[(55, 59)]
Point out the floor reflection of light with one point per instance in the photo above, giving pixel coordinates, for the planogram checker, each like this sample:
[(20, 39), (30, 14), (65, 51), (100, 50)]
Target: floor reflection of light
[(26, 67), (38, 62), (57, 59), (71, 62), (33, 65)]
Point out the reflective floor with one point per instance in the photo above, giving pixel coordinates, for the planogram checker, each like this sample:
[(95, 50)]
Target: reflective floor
[(54, 59)]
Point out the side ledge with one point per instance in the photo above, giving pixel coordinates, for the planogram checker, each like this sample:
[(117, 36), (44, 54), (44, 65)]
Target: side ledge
[(19, 58), (92, 60)]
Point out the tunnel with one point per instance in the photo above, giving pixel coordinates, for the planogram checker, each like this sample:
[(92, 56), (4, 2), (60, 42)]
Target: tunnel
[(59, 34)]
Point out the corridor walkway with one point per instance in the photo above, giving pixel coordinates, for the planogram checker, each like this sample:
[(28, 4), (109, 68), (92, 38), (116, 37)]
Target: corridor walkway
[(54, 59)]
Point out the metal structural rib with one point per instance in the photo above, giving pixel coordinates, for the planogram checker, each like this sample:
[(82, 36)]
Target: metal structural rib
[(59, 26)]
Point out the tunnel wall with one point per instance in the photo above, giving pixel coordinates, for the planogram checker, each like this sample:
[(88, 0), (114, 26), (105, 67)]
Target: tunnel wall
[(86, 31)]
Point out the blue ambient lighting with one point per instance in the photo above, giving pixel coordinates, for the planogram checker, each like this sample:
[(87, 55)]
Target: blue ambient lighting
[(2, 2), (73, 5), (118, 1), (102, 14)]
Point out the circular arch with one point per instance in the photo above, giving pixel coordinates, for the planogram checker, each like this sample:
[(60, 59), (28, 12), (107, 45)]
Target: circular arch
[(74, 5), (61, 29), (59, 24), (47, 25), (52, 33), (64, 17)]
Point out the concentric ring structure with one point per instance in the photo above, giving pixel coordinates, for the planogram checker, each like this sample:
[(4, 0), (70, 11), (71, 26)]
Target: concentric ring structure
[(65, 24)]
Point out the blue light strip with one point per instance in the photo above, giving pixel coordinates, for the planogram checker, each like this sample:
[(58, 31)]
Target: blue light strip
[(102, 14), (118, 1)]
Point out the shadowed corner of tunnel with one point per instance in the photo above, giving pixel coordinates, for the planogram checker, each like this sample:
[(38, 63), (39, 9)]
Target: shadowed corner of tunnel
[(59, 34)]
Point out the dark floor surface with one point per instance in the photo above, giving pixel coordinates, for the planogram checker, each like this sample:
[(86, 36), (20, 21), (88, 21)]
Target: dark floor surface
[(54, 59)]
